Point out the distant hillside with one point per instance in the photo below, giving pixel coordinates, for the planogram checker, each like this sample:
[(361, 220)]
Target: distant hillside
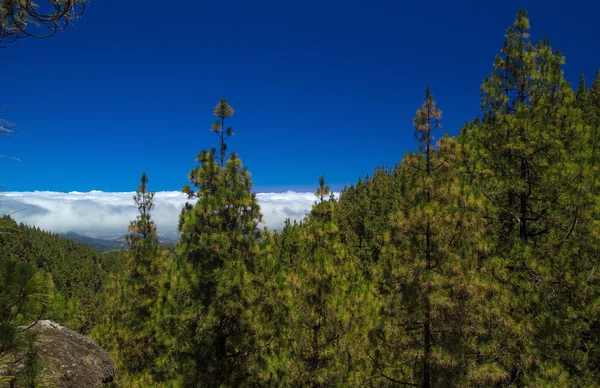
[(100, 245), (109, 242), (78, 271)]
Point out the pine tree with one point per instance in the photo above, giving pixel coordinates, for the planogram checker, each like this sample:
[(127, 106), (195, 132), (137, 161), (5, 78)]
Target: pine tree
[(143, 226), (528, 159), (222, 110), (213, 298), (327, 303), (216, 261), (132, 297), (525, 105), (425, 266)]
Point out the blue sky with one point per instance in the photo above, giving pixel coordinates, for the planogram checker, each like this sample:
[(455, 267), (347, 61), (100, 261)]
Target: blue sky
[(319, 87)]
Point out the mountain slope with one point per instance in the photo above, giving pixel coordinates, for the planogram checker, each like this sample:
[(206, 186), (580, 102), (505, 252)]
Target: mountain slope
[(99, 244)]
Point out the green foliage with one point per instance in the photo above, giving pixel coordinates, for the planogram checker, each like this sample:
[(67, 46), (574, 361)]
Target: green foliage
[(130, 329), (426, 266), (327, 301), (211, 299), (363, 213), (78, 272), (24, 298), (530, 157)]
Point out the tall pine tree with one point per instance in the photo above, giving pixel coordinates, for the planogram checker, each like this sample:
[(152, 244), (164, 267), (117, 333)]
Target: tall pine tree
[(425, 266), (131, 330), (528, 158), (211, 301)]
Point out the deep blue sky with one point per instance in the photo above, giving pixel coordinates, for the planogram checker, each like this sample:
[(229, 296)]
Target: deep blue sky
[(319, 87)]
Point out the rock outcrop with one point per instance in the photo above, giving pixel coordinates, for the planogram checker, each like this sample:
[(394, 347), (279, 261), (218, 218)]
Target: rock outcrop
[(69, 359)]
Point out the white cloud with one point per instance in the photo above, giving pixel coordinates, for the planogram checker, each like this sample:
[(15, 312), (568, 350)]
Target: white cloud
[(106, 213), (277, 207)]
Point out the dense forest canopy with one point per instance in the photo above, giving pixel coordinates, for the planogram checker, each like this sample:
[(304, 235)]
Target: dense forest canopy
[(472, 262)]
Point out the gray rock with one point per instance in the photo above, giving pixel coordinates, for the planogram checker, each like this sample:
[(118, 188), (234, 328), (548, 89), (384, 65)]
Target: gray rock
[(69, 359)]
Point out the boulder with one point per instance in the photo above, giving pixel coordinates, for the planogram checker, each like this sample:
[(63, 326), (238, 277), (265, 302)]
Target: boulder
[(69, 359)]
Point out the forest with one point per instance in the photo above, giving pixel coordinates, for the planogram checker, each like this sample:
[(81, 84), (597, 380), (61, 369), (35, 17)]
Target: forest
[(473, 262)]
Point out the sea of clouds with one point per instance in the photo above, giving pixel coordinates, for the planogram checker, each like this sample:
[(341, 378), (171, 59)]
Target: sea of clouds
[(107, 213)]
